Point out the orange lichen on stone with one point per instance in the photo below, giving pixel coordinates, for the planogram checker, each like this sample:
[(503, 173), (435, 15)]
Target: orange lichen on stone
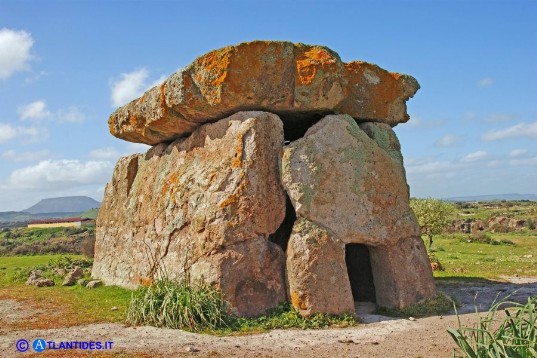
[(383, 88), (298, 303), (314, 58), (237, 160), (169, 183), (237, 194), (211, 72)]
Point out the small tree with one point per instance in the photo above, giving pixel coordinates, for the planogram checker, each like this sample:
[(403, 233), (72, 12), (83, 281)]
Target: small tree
[(432, 214)]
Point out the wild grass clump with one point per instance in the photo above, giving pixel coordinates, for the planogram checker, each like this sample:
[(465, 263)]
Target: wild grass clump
[(177, 304), (515, 335), (285, 316), (432, 306)]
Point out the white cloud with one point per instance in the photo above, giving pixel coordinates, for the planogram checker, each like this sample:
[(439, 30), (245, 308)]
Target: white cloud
[(519, 130), (34, 111), (14, 51), (71, 114), (38, 110), (526, 161), (486, 82), (130, 86), (447, 141), (104, 153), (493, 118), (59, 174), (25, 156), (27, 134), (474, 157), (518, 153)]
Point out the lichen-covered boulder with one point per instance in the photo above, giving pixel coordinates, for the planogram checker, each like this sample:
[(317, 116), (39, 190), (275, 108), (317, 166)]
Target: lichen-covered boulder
[(281, 77), (212, 197), (340, 178), (316, 271)]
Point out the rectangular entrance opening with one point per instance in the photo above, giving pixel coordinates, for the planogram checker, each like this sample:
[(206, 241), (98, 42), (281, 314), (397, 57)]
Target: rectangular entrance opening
[(360, 272)]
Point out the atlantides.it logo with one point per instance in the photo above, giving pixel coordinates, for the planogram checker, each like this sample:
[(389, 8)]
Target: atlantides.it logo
[(40, 345)]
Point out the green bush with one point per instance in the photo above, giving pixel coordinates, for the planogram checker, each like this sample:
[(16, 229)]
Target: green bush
[(177, 304), (515, 335)]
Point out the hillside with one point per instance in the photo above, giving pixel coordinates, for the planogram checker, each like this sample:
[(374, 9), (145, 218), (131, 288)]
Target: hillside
[(66, 204)]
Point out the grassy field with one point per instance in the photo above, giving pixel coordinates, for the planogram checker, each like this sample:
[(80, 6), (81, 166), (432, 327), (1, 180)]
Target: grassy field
[(60, 306), (473, 259), (483, 211)]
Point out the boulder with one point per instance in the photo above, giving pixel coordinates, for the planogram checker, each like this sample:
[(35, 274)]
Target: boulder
[(210, 198), (94, 284), (291, 80), (73, 276), (351, 183), (36, 278), (316, 271), (340, 178)]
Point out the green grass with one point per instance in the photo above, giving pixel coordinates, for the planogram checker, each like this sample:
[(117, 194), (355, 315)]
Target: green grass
[(67, 306), (514, 335), (177, 304), (434, 306), (473, 259)]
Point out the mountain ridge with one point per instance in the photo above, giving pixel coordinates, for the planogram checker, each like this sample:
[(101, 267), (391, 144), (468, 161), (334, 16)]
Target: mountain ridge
[(64, 204)]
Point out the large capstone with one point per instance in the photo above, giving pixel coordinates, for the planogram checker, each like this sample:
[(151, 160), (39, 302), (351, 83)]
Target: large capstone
[(276, 76)]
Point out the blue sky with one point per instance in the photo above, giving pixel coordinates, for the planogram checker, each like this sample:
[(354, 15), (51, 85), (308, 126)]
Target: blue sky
[(66, 65)]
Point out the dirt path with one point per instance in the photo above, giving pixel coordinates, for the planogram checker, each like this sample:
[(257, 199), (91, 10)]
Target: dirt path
[(383, 337)]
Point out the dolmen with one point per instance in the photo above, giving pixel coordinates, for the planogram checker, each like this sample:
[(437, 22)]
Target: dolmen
[(275, 176)]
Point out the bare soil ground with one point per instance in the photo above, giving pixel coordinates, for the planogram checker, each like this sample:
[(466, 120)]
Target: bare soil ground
[(379, 336)]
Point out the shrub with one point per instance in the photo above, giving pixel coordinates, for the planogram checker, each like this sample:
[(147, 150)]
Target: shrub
[(530, 224), (177, 304), (435, 262), (87, 247), (515, 335)]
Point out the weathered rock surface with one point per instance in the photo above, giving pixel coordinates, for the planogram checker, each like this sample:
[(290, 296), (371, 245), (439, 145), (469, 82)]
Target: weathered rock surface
[(201, 206), (401, 273), (340, 178), (94, 284), (316, 271), (351, 182), (36, 278), (280, 77), (73, 276)]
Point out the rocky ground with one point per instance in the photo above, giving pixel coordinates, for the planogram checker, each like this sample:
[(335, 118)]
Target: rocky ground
[(379, 336)]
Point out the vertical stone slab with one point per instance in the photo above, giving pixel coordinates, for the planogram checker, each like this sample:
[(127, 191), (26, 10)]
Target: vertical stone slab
[(402, 273), (195, 198), (316, 271)]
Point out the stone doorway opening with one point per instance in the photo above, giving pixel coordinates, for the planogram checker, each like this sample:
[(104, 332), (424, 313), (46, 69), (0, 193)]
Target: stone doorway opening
[(360, 273)]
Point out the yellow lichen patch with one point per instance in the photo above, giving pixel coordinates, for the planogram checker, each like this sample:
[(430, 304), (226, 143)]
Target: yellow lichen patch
[(211, 72), (170, 182), (298, 303), (237, 160), (233, 198), (313, 59), (144, 281)]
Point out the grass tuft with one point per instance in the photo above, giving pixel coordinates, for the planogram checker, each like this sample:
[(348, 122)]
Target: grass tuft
[(515, 335), (177, 304)]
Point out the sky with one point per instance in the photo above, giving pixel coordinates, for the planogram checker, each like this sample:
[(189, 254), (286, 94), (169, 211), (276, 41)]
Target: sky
[(65, 66)]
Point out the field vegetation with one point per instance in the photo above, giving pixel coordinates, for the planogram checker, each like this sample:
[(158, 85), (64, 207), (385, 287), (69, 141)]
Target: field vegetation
[(461, 256)]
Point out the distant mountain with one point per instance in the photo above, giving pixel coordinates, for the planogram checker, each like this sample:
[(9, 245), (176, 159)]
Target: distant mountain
[(66, 204), (495, 197)]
